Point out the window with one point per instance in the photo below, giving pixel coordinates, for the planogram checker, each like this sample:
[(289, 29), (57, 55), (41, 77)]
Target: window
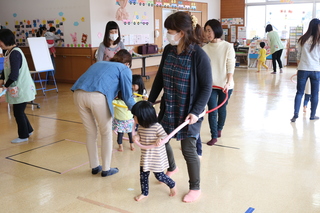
[(318, 10), (256, 21), (255, 1), (280, 16)]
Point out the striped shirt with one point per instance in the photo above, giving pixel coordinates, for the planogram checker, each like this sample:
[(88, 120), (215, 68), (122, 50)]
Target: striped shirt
[(176, 84), (154, 159)]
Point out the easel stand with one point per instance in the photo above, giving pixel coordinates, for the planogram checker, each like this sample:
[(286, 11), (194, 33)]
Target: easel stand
[(42, 63), (44, 82), (36, 75)]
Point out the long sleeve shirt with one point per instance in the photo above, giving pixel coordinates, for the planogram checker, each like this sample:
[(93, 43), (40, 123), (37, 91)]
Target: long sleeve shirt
[(223, 59), (308, 61), (106, 53), (15, 64), (274, 42), (107, 78)]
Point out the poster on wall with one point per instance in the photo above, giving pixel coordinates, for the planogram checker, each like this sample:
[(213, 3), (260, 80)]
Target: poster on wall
[(28, 28), (242, 34), (135, 19), (133, 39), (232, 21), (233, 33)]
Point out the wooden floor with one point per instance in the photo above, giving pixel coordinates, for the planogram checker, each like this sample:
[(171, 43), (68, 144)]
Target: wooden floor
[(263, 163)]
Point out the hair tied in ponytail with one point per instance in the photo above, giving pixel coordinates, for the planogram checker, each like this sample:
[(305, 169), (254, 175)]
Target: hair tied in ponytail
[(194, 21)]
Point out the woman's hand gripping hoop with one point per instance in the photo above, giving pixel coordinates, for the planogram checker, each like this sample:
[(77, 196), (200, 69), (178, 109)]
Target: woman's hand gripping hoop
[(166, 139)]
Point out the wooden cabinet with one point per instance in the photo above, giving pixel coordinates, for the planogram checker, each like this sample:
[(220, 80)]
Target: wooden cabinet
[(71, 62)]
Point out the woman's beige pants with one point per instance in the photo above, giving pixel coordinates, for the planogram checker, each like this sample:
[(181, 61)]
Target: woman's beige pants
[(94, 112)]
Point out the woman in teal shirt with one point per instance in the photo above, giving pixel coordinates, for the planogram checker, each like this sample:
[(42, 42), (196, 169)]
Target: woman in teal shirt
[(276, 48)]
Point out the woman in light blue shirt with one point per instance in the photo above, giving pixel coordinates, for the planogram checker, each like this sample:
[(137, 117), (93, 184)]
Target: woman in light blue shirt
[(93, 95)]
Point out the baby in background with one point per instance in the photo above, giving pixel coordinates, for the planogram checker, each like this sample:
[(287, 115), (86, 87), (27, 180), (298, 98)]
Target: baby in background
[(138, 88), (51, 37)]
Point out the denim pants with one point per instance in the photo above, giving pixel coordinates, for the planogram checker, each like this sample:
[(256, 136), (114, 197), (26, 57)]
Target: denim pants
[(307, 98), (218, 117), (302, 78)]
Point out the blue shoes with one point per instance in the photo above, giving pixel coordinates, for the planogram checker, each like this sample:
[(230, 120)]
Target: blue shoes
[(110, 172), (96, 170)]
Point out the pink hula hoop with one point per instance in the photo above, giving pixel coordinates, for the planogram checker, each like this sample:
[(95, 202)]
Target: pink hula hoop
[(166, 139), (292, 78)]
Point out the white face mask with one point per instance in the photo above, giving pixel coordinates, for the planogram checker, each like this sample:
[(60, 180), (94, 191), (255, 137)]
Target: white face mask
[(171, 39), (113, 37)]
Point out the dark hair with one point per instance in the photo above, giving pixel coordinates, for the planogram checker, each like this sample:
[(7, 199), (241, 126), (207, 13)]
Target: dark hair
[(119, 96), (215, 26), (199, 33), (269, 28), (110, 26), (40, 31), (181, 21), (52, 29), (122, 56), (137, 79), (313, 30), (145, 113), (7, 37), (262, 44)]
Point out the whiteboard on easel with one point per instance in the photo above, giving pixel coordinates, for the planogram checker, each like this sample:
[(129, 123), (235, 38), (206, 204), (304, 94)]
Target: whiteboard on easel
[(40, 54)]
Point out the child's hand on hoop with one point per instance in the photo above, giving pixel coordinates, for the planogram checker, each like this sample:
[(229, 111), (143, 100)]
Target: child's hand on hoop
[(158, 142), (136, 138)]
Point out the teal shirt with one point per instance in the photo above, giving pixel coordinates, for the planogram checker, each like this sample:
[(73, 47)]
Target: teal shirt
[(275, 42), (107, 78)]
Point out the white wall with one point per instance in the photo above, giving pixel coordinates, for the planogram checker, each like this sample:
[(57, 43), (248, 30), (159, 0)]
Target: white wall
[(73, 11), (102, 11), (91, 16), (213, 8)]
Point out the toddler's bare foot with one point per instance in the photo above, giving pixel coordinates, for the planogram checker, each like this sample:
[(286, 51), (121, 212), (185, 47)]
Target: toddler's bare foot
[(120, 149), (131, 146), (140, 197), (304, 108), (173, 191)]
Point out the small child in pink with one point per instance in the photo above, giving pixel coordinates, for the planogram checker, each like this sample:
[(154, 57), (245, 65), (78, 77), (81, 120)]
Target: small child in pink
[(51, 37)]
